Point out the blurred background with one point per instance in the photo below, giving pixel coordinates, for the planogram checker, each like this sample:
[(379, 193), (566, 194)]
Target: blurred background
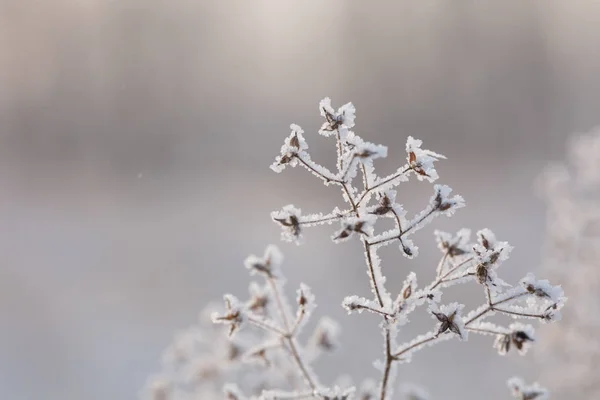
[(135, 140)]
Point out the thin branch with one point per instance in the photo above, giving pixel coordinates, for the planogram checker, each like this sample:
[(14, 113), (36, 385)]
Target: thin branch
[(381, 183)]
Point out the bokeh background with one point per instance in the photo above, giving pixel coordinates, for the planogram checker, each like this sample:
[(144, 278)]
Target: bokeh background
[(135, 139)]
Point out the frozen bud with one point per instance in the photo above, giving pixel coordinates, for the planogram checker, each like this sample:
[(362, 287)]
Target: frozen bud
[(259, 298), (422, 161), (364, 150), (384, 206), (409, 249), (409, 286), (520, 336), (234, 315), (442, 202), (362, 225), (293, 145), (343, 117), (450, 319), (305, 299), (268, 264), (543, 289), (289, 219), (325, 337), (522, 391), (456, 245)]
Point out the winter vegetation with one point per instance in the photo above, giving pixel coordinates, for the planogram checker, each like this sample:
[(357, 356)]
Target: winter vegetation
[(570, 351), (255, 350)]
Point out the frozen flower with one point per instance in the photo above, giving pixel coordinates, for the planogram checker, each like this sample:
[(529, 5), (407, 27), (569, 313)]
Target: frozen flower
[(543, 289), (442, 202), (350, 225), (234, 315), (490, 253), (268, 264), (520, 336), (450, 319), (289, 219), (456, 245), (293, 145), (325, 336), (343, 117), (422, 161)]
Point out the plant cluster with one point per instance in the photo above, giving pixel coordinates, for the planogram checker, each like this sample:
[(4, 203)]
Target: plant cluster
[(281, 365)]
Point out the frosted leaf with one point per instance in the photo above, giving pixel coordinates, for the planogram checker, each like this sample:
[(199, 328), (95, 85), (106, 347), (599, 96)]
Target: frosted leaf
[(520, 336), (526, 392), (343, 117), (422, 161), (453, 245), (350, 225), (234, 316), (413, 392), (267, 265), (294, 145), (450, 319)]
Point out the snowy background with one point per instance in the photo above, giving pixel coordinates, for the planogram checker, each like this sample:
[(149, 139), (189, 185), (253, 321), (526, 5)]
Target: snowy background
[(135, 139)]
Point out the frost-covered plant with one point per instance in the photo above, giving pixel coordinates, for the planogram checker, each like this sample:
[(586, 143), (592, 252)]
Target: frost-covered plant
[(522, 391), (571, 350), (285, 368)]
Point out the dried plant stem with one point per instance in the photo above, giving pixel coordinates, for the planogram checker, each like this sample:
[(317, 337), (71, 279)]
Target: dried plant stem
[(289, 335)]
